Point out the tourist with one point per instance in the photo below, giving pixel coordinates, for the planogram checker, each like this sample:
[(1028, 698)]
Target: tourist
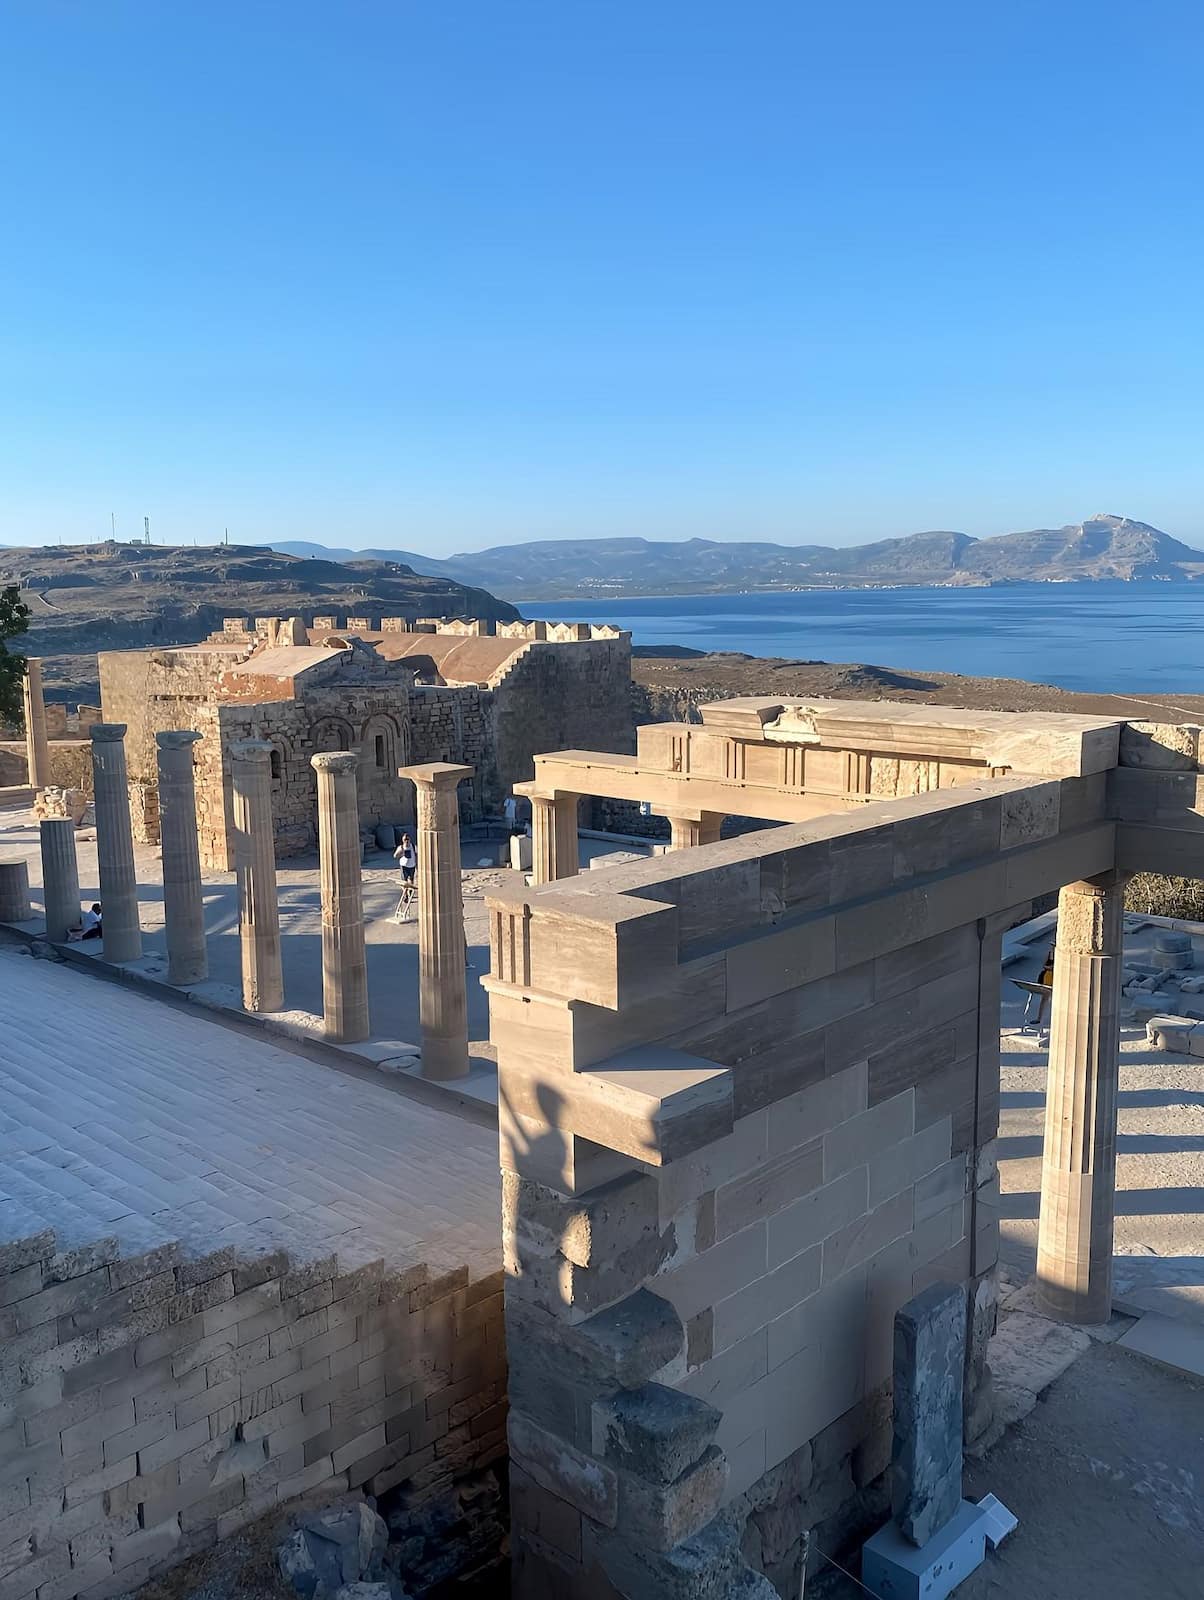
[(406, 858), (88, 926), (1042, 1000), (510, 812)]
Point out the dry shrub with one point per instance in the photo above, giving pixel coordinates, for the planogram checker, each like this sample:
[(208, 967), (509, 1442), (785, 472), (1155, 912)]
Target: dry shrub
[(1158, 895)]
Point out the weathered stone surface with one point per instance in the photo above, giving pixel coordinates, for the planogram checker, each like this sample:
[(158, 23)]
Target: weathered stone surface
[(626, 1344), (654, 1432), (563, 1470), (335, 1547), (926, 1466), (706, 1567), (1162, 745), (661, 1515)]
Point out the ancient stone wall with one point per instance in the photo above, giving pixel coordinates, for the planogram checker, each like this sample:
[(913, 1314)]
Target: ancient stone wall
[(70, 764), (749, 1095), (155, 1404)]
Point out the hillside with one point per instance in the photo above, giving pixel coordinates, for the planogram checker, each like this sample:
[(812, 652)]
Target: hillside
[(85, 598), (1100, 548)]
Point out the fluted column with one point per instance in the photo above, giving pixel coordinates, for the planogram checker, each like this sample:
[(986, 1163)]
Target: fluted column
[(442, 993), (255, 867), (344, 960), (60, 877), (554, 850), (699, 827), (1078, 1170), (37, 750), (183, 906), (115, 843)]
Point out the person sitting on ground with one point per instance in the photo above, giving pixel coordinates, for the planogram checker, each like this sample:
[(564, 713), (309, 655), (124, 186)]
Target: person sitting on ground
[(88, 926), (406, 858)]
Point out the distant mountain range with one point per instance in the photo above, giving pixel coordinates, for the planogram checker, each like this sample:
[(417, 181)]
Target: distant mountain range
[(1103, 547)]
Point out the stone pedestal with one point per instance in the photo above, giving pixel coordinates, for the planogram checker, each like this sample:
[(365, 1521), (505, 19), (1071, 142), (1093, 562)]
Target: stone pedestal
[(14, 892), (60, 877), (115, 843), (443, 995), (255, 866), (37, 749), (183, 906), (691, 828), (554, 851), (1078, 1171), (344, 961)]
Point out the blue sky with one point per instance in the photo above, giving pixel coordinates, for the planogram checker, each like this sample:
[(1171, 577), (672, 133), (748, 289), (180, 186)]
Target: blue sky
[(444, 275)]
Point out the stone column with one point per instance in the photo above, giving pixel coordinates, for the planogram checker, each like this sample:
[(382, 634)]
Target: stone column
[(554, 852), (37, 750), (699, 827), (183, 907), (60, 877), (443, 994), (1078, 1170), (344, 961), (115, 843), (255, 866)]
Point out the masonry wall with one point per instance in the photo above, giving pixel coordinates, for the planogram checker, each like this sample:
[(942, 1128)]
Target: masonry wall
[(70, 764), (730, 1164), (150, 1406)]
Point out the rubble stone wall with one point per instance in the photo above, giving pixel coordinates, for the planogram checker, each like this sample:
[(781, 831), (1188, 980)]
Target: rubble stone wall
[(749, 1098), (152, 1405), (70, 764)]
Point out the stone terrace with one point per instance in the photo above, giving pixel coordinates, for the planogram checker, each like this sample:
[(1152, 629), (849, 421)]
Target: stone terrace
[(227, 1275)]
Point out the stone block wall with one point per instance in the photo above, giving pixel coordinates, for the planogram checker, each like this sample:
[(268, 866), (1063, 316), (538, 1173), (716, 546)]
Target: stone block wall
[(154, 1404), (144, 812), (749, 1097), (70, 764)]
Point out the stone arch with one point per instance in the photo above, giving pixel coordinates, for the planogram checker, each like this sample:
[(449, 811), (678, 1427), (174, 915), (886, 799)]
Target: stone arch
[(382, 750), (332, 733)]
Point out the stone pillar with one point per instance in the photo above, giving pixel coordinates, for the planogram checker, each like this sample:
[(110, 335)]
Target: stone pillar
[(699, 827), (60, 877), (443, 995), (14, 890), (554, 852), (115, 843), (255, 866), (183, 907), (344, 961), (1078, 1170), (37, 750)]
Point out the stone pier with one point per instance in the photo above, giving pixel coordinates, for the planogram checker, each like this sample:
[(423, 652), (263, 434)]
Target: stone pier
[(183, 906), (37, 749), (696, 827), (344, 961), (255, 867), (554, 849), (60, 877), (443, 999), (1078, 1173), (115, 843)]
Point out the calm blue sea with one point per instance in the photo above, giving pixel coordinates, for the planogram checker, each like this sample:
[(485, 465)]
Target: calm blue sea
[(1137, 638)]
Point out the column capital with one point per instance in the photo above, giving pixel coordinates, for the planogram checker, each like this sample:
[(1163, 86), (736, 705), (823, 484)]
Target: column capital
[(335, 761), (439, 774), (257, 752), (106, 732), (176, 738)]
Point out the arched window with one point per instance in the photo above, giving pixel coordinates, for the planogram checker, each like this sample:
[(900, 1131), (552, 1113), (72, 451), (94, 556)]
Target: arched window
[(277, 767), (331, 733), (379, 743)]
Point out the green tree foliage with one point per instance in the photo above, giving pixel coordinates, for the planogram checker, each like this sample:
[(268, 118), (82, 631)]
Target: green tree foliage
[(14, 621)]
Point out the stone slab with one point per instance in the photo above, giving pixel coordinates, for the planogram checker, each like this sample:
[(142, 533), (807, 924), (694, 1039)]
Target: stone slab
[(893, 1569), (1172, 1341), (926, 1463)]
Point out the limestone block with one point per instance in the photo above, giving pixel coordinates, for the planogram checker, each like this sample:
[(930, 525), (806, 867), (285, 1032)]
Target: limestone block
[(708, 1566), (661, 1515), (653, 1432), (1173, 951), (625, 1345), (1030, 814), (926, 1465), (563, 1470), (1172, 1033), (520, 852), (1164, 745), (588, 1228)]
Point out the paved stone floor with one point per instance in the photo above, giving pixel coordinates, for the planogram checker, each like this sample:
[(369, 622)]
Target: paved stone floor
[(1160, 1160), (121, 1116)]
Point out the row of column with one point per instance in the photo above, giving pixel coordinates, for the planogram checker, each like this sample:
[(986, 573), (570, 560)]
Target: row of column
[(442, 982), (554, 850)]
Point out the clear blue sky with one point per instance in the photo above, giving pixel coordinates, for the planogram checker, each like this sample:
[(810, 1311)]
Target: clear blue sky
[(447, 274)]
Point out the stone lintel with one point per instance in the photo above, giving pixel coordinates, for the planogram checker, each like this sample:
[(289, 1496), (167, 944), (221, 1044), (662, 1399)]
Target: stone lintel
[(441, 774)]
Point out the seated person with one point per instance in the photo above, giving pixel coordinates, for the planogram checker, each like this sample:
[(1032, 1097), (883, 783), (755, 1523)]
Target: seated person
[(88, 926)]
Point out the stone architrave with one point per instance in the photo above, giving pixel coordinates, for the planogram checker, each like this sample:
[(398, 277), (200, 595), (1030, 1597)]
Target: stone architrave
[(37, 749), (1078, 1168), (929, 1363), (255, 867), (60, 877), (702, 827), (443, 993), (554, 849), (344, 959), (183, 906), (115, 843)]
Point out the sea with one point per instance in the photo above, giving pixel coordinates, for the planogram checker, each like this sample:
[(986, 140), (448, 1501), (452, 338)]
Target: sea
[(1132, 638)]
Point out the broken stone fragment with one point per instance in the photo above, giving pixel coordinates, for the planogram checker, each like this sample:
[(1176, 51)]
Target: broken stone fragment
[(341, 1545), (929, 1362)]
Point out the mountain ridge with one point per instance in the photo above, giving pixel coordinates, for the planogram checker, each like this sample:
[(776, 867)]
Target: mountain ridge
[(1106, 547)]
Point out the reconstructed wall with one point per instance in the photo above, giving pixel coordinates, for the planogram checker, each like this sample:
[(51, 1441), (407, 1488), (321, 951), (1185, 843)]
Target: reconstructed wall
[(749, 1096), (70, 764), (153, 1405)]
